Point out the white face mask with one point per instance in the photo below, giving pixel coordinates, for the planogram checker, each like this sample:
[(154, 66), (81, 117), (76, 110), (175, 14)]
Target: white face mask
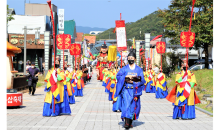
[(32, 66)]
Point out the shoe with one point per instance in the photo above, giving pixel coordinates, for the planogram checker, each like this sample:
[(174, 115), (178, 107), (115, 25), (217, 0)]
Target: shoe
[(29, 93), (126, 123)]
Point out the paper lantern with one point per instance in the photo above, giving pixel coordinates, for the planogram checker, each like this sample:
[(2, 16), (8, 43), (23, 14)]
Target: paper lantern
[(161, 47), (75, 49), (63, 41), (187, 39)]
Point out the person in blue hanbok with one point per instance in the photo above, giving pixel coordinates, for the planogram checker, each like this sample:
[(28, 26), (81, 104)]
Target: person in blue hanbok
[(130, 90)]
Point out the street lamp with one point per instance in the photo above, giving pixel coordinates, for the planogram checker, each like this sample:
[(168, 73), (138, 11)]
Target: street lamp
[(25, 32)]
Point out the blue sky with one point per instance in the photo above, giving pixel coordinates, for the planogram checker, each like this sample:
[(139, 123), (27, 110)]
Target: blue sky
[(99, 13)]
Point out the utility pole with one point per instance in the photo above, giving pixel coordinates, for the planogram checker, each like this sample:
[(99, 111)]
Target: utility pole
[(25, 32)]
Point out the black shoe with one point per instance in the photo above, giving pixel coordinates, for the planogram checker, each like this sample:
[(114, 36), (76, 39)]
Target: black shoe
[(127, 123), (131, 126)]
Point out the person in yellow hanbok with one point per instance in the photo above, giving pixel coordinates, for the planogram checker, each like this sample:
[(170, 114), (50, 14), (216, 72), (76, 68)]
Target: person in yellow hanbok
[(51, 106), (64, 99), (117, 102), (145, 73), (70, 89), (112, 77), (161, 85), (150, 88), (104, 77), (183, 95), (79, 87)]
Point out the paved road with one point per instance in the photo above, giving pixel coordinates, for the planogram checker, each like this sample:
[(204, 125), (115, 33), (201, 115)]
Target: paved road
[(93, 111)]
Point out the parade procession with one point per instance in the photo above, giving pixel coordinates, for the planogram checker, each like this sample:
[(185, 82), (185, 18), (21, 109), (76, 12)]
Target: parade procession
[(155, 73)]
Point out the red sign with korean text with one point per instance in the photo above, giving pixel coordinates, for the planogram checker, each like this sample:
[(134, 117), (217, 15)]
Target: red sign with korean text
[(75, 49), (63, 41), (14, 99)]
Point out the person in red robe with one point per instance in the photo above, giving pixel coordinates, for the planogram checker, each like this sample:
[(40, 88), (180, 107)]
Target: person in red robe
[(102, 61)]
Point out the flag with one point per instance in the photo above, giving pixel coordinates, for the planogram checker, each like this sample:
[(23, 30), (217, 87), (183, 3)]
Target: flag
[(133, 41), (114, 30), (150, 76), (161, 79), (54, 89), (184, 83)]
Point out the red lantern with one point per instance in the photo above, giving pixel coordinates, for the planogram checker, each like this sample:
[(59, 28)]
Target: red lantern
[(63, 41), (187, 39), (75, 49), (161, 47)]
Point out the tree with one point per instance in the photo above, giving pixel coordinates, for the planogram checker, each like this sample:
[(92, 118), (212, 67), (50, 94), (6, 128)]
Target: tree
[(150, 23), (177, 17), (9, 16)]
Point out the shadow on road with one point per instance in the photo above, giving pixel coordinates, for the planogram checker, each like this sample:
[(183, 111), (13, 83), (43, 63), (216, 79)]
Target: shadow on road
[(135, 123), (16, 107)]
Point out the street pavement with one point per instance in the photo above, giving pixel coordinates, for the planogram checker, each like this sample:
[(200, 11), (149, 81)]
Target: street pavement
[(93, 111)]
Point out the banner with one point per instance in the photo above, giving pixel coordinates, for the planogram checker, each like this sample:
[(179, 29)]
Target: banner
[(121, 35)]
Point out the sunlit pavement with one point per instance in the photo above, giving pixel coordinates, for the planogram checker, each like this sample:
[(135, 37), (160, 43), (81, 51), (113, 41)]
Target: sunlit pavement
[(93, 111)]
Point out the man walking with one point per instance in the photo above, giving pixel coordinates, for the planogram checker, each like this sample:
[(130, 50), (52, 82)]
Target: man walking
[(32, 78)]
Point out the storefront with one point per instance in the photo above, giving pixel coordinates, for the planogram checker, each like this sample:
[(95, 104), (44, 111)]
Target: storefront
[(34, 50)]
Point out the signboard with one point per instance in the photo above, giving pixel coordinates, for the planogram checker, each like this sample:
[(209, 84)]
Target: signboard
[(61, 19), (14, 99), (121, 35)]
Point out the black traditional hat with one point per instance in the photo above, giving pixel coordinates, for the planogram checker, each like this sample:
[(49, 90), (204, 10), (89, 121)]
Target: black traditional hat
[(132, 53), (104, 45)]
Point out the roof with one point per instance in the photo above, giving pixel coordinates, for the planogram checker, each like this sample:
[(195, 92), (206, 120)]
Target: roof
[(11, 49), (79, 37), (91, 39), (69, 27)]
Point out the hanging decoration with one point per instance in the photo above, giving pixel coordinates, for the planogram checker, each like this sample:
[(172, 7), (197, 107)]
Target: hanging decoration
[(161, 48), (187, 39), (63, 41), (75, 49)]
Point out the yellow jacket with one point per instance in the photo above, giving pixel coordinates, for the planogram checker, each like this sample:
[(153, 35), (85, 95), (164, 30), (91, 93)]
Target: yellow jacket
[(192, 79)]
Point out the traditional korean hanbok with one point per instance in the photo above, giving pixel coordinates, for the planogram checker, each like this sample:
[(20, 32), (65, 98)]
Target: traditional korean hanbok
[(145, 73), (161, 86), (79, 87), (150, 87), (51, 106), (104, 77), (117, 102), (130, 92), (64, 98), (107, 81), (70, 89), (183, 96), (112, 77)]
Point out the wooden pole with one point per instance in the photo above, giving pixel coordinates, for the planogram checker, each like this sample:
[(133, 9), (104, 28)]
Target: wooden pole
[(121, 57)]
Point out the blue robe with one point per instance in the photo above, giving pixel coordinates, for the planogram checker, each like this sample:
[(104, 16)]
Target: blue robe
[(65, 106), (48, 108), (130, 107), (118, 104)]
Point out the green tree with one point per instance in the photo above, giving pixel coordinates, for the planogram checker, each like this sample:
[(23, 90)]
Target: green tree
[(177, 18), (9, 16)]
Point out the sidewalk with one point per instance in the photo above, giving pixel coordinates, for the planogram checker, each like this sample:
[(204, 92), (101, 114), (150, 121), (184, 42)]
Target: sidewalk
[(93, 111)]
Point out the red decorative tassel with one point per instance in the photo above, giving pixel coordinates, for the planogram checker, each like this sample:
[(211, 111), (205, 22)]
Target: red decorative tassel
[(183, 109), (135, 116)]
